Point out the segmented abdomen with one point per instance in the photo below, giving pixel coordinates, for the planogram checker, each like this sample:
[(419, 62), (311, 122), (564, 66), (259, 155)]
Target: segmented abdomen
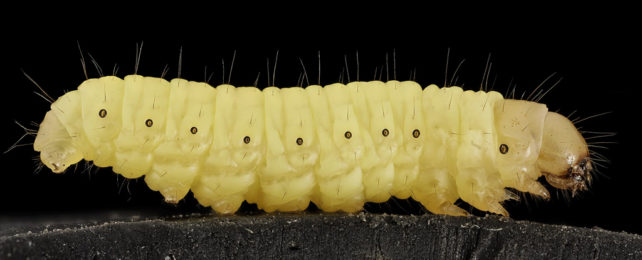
[(338, 146)]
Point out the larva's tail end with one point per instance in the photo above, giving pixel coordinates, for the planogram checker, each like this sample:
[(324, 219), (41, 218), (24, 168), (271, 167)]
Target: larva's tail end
[(58, 158), (564, 157), (56, 148)]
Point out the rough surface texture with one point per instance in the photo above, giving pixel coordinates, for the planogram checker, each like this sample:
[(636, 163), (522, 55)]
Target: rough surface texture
[(309, 235)]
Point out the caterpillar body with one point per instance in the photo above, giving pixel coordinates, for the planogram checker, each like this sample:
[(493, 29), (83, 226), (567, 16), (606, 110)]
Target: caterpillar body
[(337, 146)]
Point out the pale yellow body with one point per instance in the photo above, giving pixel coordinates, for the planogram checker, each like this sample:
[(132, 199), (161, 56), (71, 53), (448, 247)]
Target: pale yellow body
[(338, 146)]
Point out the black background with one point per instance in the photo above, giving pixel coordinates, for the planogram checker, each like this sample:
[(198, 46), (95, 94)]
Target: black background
[(594, 54)]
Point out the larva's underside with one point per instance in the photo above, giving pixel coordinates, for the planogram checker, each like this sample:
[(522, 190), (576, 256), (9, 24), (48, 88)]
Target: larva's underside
[(338, 146)]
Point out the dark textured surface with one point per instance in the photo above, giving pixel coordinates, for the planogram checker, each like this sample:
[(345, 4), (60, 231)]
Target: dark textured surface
[(310, 235)]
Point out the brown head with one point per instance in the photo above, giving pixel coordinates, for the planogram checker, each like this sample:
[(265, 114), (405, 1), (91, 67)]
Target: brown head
[(564, 156)]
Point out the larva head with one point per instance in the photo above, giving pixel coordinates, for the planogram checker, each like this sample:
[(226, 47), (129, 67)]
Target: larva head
[(57, 150), (564, 156)]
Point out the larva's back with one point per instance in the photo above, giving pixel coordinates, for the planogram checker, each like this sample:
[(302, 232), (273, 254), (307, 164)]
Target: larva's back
[(338, 146)]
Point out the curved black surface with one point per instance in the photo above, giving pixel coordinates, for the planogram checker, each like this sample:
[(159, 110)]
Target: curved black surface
[(299, 236)]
